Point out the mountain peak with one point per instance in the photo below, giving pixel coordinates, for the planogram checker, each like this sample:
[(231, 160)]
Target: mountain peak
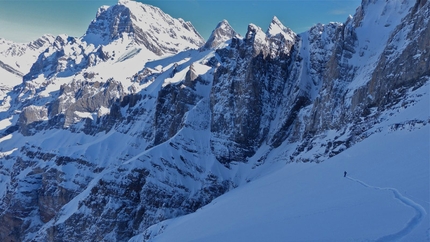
[(277, 28), (41, 41), (253, 30), (101, 10), (275, 20), (123, 2), (143, 25), (220, 34), (224, 22)]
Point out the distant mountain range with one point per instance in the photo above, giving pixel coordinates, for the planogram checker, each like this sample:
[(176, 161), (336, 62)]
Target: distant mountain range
[(140, 120)]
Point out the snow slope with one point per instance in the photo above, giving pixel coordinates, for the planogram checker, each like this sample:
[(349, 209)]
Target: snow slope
[(385, 196)]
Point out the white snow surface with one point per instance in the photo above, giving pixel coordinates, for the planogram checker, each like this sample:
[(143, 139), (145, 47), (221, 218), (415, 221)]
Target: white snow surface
[(276, 27), (8, 79)]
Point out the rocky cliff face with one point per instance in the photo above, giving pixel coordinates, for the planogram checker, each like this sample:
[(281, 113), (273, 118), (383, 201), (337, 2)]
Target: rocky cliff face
[(108, 135), (344, 98), (249, 80)]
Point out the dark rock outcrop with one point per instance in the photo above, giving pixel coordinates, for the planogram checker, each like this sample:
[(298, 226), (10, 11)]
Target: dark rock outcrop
[(249, 82)]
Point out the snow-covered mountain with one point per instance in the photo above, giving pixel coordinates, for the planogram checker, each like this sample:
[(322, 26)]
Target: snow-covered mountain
[(16, 60), (144, 25), (220, 35), (107, 136)]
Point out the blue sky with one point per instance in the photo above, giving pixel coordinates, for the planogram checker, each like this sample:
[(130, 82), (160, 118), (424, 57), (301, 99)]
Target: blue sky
[(26, 20)]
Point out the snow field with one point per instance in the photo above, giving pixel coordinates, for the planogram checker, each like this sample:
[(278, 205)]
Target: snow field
[(314, 202)]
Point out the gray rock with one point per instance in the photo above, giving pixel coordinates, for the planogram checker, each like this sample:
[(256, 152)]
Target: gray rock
[(222, 33)]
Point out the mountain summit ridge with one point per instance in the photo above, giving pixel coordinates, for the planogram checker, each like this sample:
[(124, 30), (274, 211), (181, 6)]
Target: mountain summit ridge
[(145, 25)]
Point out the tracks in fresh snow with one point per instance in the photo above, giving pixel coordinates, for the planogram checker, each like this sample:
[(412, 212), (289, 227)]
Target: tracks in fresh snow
[(419, 212)]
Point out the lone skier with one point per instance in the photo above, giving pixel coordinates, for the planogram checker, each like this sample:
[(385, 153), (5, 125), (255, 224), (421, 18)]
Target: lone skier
[(344, 174)]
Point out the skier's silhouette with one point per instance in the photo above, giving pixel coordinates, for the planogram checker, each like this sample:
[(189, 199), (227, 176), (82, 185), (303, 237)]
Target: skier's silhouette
[(344, 174)]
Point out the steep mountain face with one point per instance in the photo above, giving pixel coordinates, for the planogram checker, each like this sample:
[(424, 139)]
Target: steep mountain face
[(362, 79), (139, 121), (247, 87), (145, 25)]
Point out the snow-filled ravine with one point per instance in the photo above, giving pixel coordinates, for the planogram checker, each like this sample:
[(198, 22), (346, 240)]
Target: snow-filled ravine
[(384, 197)]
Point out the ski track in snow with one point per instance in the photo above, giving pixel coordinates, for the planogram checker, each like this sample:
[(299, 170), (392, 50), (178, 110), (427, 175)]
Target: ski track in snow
[(419, 210)]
